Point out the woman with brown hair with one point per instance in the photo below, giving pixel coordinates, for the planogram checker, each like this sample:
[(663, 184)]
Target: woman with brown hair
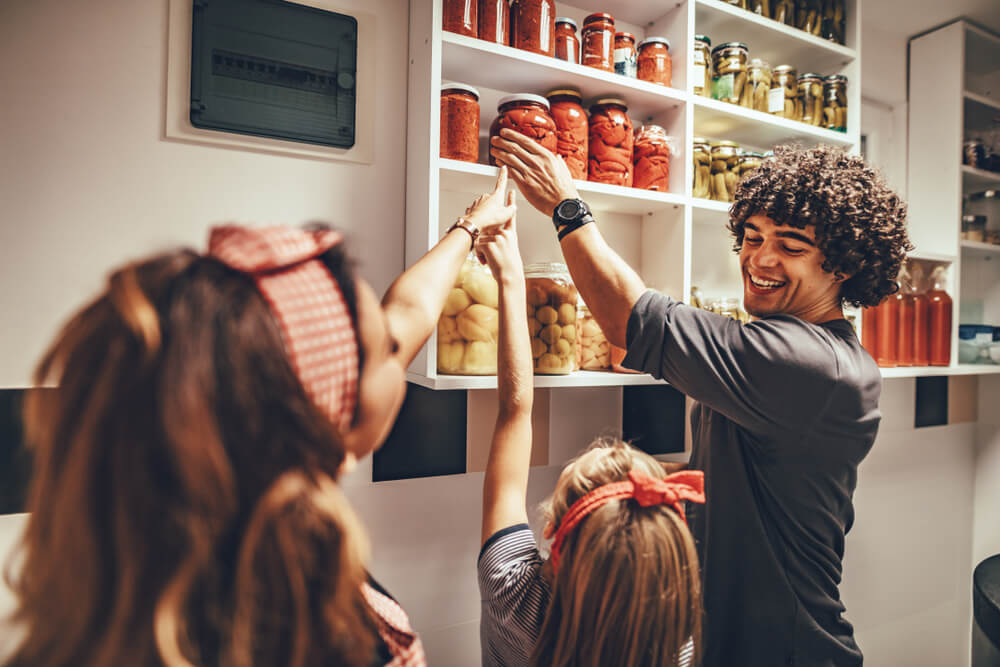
[(184, 507)]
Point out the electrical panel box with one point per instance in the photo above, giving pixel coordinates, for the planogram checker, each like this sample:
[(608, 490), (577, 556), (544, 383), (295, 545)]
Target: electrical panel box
[(274, 69)]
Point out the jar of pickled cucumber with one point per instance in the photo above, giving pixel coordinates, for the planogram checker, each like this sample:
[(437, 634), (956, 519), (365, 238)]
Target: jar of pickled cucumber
[(469, 324), (702, 158), (762, 7), (748, 162), (834, 20), (784, 12), (725, 170), (594, 348), (783, 99), (729, 63), (552, 302), (702, 81), (758, 85), (811, 96), (835, 103), (809, 16)]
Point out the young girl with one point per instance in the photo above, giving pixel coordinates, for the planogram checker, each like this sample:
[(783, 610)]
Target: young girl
[(621, 586), (184, 504)]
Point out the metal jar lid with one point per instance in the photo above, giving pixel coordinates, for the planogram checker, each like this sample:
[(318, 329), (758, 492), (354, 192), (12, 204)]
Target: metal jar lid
[(731, 45), (459, 86), (725, 144), (568, 92), (757, 63), (522, 97), (834, 78), (985, 194), (609, 100), (785, 69), (705, 39), (655, 40), (810, 75), (567, 20)]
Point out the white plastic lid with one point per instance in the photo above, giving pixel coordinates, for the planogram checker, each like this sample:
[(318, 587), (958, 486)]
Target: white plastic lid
[(459, 86), (563, 19), (522, 97), (655, 40)]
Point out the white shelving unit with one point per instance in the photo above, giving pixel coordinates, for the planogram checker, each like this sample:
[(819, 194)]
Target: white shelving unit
[(672, 239)]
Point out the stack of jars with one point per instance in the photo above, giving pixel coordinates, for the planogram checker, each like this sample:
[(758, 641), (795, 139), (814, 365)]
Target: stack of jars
[(719, 166), (822, 18)]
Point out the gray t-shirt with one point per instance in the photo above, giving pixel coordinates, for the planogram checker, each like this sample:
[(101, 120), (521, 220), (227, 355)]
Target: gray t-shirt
[(786, 411)]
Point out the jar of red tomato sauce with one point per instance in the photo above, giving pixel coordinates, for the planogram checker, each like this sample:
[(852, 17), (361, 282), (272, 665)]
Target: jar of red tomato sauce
[(459, 122), (494, 21), (625, 54), (527, 114), (651, 159), (567, 43), (533, 26), (598, 40), (654, 62), (571, 129), (461, 16), (610, 143)]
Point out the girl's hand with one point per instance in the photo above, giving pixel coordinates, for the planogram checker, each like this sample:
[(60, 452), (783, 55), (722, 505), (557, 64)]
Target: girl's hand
[(489, 209), (497, 245)]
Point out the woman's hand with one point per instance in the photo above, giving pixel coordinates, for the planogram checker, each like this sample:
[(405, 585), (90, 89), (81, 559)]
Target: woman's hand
[(540, 174), (497, 246), (488, 209)]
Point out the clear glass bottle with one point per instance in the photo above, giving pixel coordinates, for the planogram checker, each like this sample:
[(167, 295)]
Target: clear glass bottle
[(567, 43), (552, 312), (469, 324)]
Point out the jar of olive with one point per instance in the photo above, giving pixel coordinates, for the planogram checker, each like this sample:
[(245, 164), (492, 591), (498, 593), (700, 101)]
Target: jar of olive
[(702, 66), (783, 99), (784, 12), (758, 85), (702, 157), (725, 170), (811, 95), (835, 103), (729, 63), (552, 303)]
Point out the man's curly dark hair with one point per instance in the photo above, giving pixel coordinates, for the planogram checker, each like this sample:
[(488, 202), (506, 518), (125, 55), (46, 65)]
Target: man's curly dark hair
[(860, 222)]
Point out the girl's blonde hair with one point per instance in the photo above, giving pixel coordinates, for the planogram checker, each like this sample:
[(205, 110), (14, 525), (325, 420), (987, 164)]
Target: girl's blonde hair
[(627, 591)]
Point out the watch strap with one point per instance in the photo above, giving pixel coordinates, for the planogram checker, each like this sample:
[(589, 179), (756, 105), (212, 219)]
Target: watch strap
[(463, 223), (571, 227)]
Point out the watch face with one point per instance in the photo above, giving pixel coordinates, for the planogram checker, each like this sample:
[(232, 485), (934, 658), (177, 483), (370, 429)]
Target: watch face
[(569, 209)]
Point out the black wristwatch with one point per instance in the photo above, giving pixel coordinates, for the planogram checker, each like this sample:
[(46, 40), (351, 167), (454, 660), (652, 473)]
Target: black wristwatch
[(570, 215)]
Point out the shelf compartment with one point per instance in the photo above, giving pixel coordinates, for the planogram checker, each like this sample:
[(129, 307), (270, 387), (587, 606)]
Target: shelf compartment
[(770, 40), (479, 63), (977, 250), (980, 111), (577, 379), (974, 180), (457, 176), (721, 120)]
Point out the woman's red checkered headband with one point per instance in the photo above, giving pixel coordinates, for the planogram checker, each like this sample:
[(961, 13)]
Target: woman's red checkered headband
[(315, 323)]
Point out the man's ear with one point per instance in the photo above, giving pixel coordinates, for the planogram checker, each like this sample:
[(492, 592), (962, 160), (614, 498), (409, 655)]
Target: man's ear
[(839, 277)]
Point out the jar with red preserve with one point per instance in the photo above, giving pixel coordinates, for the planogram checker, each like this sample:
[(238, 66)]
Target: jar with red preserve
[(610, 143), (567, 43), (533, 26), (655, 64), (494, 21), (651, 158), (527, 114), (625, 54), (598, 41), (461, 16), (571, 129), (459, 122)]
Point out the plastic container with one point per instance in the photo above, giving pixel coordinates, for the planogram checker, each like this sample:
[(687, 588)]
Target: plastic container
[(783, 99), (552, 304), (529, 115), (610, 143), (572, 129), (939, 313), (702, 58), (651, 155), (655, 64), (835, 103), (461, 16), (593, 345), (626, 55), (729, 64), (701, 156), (459, 122), (758, 86), (725, 170), (598, 42), (567, 42), (469, 323), (533, 26), (494, 21), (811, 95)]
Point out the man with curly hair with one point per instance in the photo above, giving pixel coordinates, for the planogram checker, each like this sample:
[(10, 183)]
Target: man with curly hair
[(787, 405)]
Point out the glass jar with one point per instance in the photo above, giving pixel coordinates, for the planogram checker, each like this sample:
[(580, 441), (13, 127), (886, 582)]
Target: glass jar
[(533, 26), (655, 64), (974, 153), (810, 16), (833, 20), (572, 129), (460, 16), (702, 158), (762, 7), (594, 348), (835, 102), (758, 86), (702, 57), (552, 301), (749, 162), (651, 159), (811, 97), (783, 99), (598, 40), (567, 43), (725, 170), (459, 122), (610, 143), (469, 323), (529, 115), (494, 21), (729, 62), (625, 54), (784, 12), (742, 4)]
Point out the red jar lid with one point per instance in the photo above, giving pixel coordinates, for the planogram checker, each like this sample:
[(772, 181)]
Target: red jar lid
[(600, 16)]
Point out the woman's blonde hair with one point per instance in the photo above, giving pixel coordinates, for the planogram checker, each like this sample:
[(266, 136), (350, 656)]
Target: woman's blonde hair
[(627, 591)]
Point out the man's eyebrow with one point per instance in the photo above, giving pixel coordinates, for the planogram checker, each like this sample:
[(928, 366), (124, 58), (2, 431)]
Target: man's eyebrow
[(796, 236)]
